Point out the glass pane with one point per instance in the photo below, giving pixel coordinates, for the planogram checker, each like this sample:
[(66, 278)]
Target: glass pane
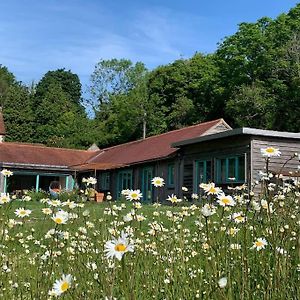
[(241, 166), (223, 170), (231, 168), (171, 170), (201, 175), (208, 171)]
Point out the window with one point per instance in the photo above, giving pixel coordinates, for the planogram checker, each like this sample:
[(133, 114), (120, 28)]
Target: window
[(124, 180), (202, 173), (231, 167), (105, 181), (147, 175), (171, 175)]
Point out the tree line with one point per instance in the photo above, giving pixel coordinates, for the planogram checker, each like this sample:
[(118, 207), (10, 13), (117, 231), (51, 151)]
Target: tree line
[(252, 79)]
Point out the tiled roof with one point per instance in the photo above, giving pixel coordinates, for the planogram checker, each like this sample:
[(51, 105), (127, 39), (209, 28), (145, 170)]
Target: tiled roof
[(151, 148), (35, 154)]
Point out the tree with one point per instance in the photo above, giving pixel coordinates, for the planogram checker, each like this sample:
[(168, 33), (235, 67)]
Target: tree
[(59, 115), (7, 79), (252, 106), (68, 81), (18, 115), (120, 100)]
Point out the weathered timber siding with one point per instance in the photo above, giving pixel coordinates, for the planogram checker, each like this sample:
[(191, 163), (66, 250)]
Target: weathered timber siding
[(287, 147), (211, 150), (160, 168)]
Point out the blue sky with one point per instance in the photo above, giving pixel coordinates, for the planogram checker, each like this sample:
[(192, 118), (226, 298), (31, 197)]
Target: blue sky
[(37, 36)]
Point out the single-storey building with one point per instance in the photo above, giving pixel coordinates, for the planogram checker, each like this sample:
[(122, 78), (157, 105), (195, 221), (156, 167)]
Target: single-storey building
[(209, 151)]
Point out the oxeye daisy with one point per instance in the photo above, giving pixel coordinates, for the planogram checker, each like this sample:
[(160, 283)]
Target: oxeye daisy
[(211, 189), (134, 195), (224, 200), (54, 203), (208, 210), (259, 244), (158, 181), (6, 173), (60, 217), (270, 152), (47, 211), (22, 212), (238, 217), (173, 199), (4, 198), (62, 285), (118, 247)]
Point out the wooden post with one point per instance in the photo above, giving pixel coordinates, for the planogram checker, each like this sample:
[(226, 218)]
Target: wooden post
[(37, 182)]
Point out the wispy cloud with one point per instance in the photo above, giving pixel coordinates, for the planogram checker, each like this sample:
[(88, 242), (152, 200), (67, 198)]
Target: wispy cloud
[(39, 36)]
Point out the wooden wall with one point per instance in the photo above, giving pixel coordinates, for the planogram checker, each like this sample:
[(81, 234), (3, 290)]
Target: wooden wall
[(287, 147), (211, 150)]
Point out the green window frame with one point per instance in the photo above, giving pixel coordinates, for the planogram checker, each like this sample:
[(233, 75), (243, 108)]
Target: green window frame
[(125, 180), (147, 187), (202, 173), (105, 181), (171, 175), (231, 167)]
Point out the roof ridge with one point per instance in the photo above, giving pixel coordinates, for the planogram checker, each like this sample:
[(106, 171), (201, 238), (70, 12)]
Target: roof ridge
[(164, 133), (44, 146)]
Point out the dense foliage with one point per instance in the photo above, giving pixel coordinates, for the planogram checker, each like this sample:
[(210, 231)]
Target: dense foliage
[(252, 79)]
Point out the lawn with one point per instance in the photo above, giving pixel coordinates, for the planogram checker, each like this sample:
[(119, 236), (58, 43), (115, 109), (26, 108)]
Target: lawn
[(235, 247)]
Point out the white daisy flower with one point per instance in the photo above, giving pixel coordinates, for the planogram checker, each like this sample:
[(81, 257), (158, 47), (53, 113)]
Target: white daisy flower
[(22, 212), (211, 189), (61, 285), (60, 217), (208, 210), (173, 199), (89, 181), (4, 198), (118, 247), (47, 211), (158, 182), (259, 244), (6, 173), (270, 152), (224, 200), (134, 195)]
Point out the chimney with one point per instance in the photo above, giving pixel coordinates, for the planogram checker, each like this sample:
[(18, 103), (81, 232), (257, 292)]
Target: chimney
[(2, 127)]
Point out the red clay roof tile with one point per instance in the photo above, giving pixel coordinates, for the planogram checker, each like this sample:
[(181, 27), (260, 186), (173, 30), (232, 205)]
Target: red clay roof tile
[(41, 155), (151, 148)]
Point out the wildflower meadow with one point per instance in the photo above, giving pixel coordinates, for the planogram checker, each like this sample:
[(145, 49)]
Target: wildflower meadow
[(227, 243)]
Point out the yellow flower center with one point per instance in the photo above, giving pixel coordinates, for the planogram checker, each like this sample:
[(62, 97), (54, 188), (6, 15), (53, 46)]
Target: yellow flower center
[(226, 201), (22, 212), (157, 181), (120, 247), (212, 190), (134, 195), (270, 150), (65, 286), (259, 243), (240, 218), (58, 220)]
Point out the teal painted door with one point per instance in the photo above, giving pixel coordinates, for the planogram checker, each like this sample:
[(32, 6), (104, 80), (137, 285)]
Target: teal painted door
[(147, 175), (124, 181), (202, 173)]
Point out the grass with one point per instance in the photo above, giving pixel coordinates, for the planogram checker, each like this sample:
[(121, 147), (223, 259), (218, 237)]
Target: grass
[(179, 252)]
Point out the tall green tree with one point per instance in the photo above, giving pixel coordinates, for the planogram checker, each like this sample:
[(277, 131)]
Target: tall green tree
[(18, 115), (120, 101), (59, 114)]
